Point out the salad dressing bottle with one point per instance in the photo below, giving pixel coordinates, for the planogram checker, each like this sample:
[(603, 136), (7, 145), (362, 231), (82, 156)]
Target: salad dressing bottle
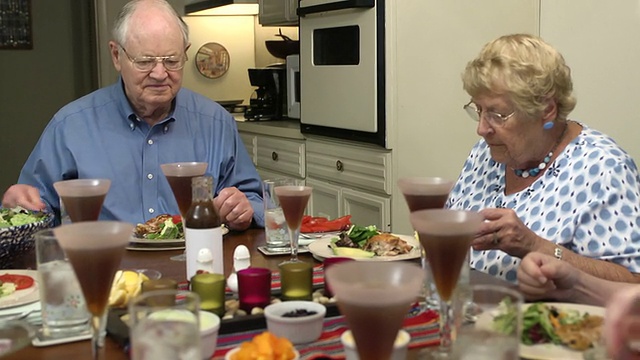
[(202, 227)]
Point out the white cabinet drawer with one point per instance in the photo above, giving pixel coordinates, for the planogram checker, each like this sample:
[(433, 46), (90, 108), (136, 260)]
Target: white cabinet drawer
[(249, 141), (283, 155), (362, 167)]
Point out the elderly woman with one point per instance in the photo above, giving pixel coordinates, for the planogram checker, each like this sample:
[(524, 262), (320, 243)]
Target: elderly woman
[(543, 183)]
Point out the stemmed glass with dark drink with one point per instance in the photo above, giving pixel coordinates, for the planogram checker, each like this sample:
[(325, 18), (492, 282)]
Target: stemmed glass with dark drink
[(293, 197), (425, 192), (446, 236), (82, 198), (375, 298), (179, 176), (95, 249)]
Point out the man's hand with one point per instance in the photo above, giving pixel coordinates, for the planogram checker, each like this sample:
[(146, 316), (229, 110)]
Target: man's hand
[(23, 195), (234, 208)]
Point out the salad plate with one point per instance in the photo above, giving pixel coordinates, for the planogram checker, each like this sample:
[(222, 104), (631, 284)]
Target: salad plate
[(165, 242), (24, 296), (558, 352), (321, 250)]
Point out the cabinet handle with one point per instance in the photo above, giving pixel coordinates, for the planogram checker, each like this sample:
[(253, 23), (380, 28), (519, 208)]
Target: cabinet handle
[(339, 165), (274, 156)]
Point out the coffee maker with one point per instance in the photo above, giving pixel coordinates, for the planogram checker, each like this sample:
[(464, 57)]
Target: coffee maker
[(268, 101)]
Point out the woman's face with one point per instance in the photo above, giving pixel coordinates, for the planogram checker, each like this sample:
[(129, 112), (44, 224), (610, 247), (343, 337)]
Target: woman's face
[(515, 141)]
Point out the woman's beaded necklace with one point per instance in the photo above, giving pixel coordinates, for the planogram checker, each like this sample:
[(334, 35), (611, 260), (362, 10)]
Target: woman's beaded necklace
[(543, 164)]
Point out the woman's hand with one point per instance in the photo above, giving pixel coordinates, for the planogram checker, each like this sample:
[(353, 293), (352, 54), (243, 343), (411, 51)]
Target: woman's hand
[(622, 324), (542, 276), (503, 230)]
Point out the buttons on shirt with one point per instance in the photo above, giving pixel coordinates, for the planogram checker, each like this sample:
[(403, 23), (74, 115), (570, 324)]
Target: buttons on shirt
[(149, 176), (151, 211), (150, 142)]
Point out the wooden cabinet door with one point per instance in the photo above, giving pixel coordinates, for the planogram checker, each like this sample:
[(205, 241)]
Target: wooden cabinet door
[(366, 208), (325, 199)]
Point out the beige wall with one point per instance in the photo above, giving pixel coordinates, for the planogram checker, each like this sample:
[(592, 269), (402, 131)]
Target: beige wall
[(243, 38)]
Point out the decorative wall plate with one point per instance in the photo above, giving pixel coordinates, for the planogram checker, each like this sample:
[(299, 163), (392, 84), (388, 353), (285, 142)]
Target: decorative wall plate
[(212, 60)]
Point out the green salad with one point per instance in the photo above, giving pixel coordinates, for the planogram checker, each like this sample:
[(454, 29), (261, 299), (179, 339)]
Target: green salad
[(19, 216)]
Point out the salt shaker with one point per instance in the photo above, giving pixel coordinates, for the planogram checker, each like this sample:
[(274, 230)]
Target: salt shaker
[(204, 261), (241, 260)]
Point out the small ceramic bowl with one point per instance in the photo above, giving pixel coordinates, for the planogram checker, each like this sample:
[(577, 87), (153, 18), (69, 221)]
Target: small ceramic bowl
[(400, 347), (209, 326), (229, 354), (298, 330)]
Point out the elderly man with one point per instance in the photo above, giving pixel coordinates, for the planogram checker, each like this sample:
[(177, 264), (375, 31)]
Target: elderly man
[(125, 131)]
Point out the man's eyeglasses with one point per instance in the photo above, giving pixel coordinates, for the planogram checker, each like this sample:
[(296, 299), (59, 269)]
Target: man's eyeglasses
[(494, 118), (147, 63)]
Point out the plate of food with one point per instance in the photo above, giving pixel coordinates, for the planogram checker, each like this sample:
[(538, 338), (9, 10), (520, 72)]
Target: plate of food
[(366, 243), (18, 287), (556, 331), (163, 231)]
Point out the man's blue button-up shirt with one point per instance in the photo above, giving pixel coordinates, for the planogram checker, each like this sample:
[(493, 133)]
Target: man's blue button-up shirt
[(99, 136)]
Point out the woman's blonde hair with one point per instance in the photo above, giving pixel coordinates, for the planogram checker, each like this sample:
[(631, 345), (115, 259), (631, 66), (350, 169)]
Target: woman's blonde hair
[(526, 69)]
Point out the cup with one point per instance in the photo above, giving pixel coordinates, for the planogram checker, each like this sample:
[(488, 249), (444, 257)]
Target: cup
[(254, 288), (158, 284), (326, 264), (486, 339), (296, 280), (211, 289), (275, 225), (63, 306), (162, 329)]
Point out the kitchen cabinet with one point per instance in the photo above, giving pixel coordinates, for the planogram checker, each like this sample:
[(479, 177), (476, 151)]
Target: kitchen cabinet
[(274, 156), (278, 12), (350, 178)]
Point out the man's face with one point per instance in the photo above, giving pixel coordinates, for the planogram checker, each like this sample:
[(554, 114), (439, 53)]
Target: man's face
[(155, 88)]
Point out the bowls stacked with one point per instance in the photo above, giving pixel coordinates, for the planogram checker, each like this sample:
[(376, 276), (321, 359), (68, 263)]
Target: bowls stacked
[(18, 240)]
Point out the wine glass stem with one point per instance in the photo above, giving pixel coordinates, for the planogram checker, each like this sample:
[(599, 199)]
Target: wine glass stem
[(446, 323), (97, 342), (293, 239)]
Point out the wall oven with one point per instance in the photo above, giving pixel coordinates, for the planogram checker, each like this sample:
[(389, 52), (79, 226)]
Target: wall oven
[(293, 86), (342, 68)]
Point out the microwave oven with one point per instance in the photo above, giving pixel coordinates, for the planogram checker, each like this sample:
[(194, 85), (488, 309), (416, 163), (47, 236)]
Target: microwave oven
[(293, 86)]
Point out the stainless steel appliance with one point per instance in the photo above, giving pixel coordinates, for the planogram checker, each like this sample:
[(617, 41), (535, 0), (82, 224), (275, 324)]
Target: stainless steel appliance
[(342, 53), (268, 101)]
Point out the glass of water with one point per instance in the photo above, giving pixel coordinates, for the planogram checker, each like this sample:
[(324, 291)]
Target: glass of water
[(495, 334), (165, 325)]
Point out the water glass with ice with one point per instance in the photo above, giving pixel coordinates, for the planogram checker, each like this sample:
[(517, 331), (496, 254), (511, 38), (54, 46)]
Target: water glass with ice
[(165, 325), (275, 226), (63, 306), (498, 324)]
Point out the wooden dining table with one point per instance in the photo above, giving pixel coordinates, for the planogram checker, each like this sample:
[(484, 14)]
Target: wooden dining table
[(160, 260)]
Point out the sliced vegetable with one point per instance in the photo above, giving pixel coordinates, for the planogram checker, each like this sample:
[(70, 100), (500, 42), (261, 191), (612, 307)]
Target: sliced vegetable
[(311, 224), (20, 281)]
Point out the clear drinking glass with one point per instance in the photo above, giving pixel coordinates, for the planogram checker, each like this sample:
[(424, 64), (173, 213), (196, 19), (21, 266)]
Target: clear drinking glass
[(446, 237), (293, 197), (95, 249), (484, 341), (375, 298), (165, 325), (179, 176)]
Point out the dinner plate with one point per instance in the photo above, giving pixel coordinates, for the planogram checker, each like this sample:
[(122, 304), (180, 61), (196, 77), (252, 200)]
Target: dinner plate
[(24, 296), (549, 351), (139, 247), (321, 250), (166, 242)]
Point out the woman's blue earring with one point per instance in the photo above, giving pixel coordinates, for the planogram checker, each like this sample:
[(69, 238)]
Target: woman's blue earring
[(548, 125)]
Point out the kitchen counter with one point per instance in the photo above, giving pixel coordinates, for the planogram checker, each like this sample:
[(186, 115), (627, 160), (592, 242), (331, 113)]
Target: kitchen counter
[(283, 128)]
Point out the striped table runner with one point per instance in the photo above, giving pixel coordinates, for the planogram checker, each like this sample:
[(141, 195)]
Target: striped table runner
[(423, 329)]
